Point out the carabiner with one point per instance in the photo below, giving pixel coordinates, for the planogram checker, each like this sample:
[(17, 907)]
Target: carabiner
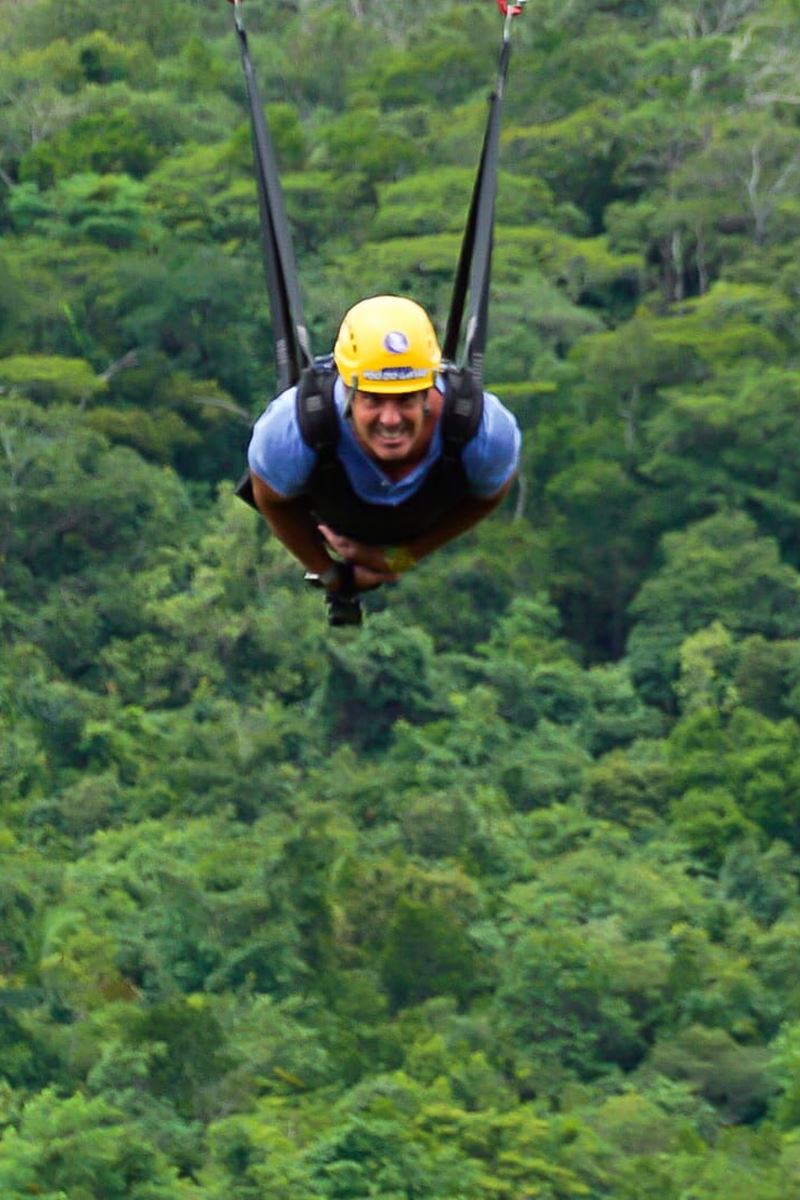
[(238, 20), (510, 9)]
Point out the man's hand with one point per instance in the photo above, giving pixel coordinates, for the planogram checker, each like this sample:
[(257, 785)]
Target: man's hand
[(371, 567)]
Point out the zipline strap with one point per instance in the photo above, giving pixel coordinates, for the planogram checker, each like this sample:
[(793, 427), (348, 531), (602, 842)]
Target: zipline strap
[(290, 333), (474, 269)]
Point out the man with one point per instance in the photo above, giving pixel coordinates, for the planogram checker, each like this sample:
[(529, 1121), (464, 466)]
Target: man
[(380, 461)]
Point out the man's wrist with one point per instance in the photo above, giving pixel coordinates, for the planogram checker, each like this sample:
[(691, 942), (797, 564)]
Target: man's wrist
[(399, 559), (330, 575), (337, 579), (327, 578)]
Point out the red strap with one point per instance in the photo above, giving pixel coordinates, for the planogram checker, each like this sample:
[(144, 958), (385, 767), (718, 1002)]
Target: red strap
[(506, 8)]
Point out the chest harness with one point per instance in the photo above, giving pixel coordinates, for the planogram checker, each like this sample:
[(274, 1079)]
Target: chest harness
[(331, 496)]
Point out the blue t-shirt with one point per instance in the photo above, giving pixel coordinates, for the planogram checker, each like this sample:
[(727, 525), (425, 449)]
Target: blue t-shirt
[(278, 455)]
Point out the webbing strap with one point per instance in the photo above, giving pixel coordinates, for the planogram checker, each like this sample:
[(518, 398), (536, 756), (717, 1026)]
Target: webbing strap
[(474, 269), (292, 342), (315, 408), (461, 414)]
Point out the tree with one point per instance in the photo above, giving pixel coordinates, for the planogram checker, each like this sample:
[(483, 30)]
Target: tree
[(753, 161), (97, 143), (731, 1076), (571, 1001), (83, 1146), (715, 570), (382, 676), (426, 954), (742, 765), (48, 378), (103, 208)]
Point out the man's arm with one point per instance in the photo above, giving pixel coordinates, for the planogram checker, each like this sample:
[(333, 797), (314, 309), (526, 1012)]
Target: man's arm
[(291, 522), (467, 514)]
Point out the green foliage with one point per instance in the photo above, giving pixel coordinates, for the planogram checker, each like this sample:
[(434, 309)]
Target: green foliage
[(717, 570), (365, 139), (731, 1076), (61, 512), (104, 60), (382, 675), (449, 69), (160, 26), (46, 378), (709, 821), (100, 143), (101, 208), (569, 1002), (89, 1148), (434, 201), (426, 954), (747, 755)]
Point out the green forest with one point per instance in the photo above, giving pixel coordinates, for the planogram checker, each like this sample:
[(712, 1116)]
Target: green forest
[(495, 898)]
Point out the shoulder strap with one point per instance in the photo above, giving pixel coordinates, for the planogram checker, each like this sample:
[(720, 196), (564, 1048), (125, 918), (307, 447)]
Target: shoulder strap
[(474, 268), (462, 412), (289, 329), (316, 410)]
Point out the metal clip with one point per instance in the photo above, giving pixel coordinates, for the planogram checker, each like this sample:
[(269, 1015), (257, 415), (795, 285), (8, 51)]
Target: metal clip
[(510, 9)]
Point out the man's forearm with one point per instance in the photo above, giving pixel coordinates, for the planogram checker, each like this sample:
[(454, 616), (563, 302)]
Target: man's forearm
[(468, 514), (293, 525)]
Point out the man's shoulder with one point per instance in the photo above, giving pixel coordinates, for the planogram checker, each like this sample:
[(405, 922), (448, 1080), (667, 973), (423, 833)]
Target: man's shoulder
[(278, 453), (491, 458), (496, 417), (278, 421)]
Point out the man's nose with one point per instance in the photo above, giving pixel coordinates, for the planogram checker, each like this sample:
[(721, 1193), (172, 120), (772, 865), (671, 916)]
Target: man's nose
[(390, 413)]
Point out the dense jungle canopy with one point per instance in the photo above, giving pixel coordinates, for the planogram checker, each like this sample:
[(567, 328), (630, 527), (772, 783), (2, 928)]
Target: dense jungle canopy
[(497, 898)]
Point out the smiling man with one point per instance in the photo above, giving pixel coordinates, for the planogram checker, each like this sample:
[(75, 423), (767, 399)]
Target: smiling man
[(378, 458)]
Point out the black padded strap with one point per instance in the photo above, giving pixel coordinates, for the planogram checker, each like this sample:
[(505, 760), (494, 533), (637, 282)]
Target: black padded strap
[(316, 412), (462, 412)]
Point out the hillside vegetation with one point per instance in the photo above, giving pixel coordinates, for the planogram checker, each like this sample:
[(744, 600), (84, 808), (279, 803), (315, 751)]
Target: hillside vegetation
[(496, 899)]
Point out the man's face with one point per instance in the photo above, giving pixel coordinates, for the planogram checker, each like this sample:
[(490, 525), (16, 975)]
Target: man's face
[(388, 426)]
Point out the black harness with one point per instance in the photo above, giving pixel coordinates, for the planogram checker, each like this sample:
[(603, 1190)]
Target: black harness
[(331, 498)]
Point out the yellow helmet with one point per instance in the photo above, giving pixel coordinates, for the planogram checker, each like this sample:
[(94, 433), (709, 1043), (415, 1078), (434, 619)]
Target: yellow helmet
[(387, 344)]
